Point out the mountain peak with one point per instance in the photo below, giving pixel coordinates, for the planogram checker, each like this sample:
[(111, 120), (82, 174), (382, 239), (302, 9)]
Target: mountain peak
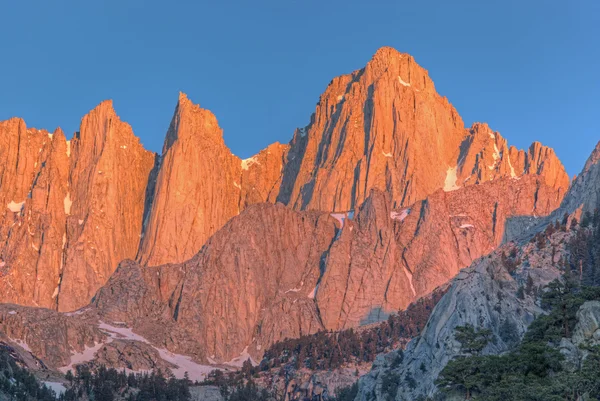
[(593, 159), (388, 53)]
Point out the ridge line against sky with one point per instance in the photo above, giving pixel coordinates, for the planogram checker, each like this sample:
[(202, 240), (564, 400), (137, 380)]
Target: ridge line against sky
[(528, 70)]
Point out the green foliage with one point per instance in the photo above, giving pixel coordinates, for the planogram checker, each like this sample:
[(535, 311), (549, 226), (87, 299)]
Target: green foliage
[(17, 383), (389, 385), (249, 392), (533, 370), (472, 341), (330, 350), (102, 384), (346, 393)]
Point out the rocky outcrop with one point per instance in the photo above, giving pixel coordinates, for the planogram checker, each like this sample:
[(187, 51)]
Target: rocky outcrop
[(34, 183), (201, 185), (584, 193), (484, 296), (387, 258), (107, 188), (583, 197), (273, 273), (75, 208), (585, 336)]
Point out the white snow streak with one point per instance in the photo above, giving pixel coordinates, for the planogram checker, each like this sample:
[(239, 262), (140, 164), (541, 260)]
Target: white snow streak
[(467, 226), (239, 361), (78, 358), (313, 293), (450, 183), (401, 215), (402, 82), (15, 207), (68, 202), (246, 163), (184, 363), (410, 281), (387, 154)]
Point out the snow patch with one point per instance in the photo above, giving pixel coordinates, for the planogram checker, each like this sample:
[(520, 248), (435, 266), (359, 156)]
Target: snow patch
[(80, 221), (77, 312), (68, 148), (339, 217), (401, 215), (84, 356), (492, 135), (12, 312), (124, 147), (246, 163), (294, 289), (184, 363), (55, 293), (512, 169), (15, 207), (340, 97), (239, 361), (313, 293), (50, 136), (402, 82), (235, 184), (496, 154), (58, 388), (467, 226), (450, 183), (387, 154), (409, 276), (67, 203)]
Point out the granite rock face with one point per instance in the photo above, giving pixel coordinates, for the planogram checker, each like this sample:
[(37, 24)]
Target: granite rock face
[(201, 185), (73, 209), (484, 296), (385, 127)]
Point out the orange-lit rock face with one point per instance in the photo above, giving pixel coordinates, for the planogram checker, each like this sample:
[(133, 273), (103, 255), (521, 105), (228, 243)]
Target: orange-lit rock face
[(201, 185), (82, 210), (385, 127), (273, 273), (74, 210)]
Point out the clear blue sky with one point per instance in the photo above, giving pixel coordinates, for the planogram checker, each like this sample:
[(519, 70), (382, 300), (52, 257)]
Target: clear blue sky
[(528, 68)]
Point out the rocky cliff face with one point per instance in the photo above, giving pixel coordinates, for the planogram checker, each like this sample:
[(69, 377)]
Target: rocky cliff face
[(485, 296), (388, 258), (73, 209), (385, 127), (107, 188), (201, 185)]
